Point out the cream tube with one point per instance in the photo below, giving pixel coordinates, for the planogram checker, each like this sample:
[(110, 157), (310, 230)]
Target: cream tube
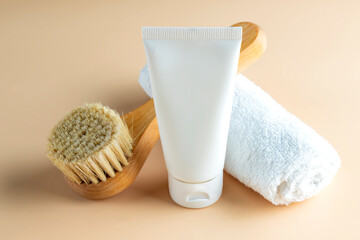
[(192, 72)]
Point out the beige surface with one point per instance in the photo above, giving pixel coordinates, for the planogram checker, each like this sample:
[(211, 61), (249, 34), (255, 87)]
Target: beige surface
[(56, 55)]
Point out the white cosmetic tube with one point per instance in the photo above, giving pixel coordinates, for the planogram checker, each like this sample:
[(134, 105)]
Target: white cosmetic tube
[(192, 72)]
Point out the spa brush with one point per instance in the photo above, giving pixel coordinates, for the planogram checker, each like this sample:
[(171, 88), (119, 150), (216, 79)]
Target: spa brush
[(101, 153)]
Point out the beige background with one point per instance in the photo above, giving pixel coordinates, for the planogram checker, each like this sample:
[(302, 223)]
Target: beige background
[(56, 55)]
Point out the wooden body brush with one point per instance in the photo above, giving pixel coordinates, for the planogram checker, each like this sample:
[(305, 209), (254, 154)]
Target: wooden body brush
[(101, 154)]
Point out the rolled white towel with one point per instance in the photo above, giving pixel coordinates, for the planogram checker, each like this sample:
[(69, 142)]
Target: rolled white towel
[(269, 149)]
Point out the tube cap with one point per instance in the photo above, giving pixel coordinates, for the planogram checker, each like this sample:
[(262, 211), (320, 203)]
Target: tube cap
[(196, 195)]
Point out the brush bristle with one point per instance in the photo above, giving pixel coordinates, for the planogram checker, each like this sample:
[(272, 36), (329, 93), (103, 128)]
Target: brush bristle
[(91, 143)]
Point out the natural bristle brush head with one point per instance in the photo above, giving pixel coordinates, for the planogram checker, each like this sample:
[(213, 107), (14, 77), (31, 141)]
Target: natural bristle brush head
[(90, 144)]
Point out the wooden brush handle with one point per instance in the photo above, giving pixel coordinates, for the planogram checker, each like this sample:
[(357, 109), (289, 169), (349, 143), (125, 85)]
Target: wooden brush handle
[(253, 44)]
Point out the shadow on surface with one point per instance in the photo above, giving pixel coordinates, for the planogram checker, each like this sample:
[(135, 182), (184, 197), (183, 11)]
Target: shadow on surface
[(123, 100), (155, 189), (38, 185), (48, 183), (236, 193)]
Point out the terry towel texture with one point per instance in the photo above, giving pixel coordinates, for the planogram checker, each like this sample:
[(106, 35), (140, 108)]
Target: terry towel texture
[(269, 149)]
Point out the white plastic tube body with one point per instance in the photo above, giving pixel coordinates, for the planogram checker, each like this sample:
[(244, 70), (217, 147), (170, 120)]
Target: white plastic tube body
[(193, 120)]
